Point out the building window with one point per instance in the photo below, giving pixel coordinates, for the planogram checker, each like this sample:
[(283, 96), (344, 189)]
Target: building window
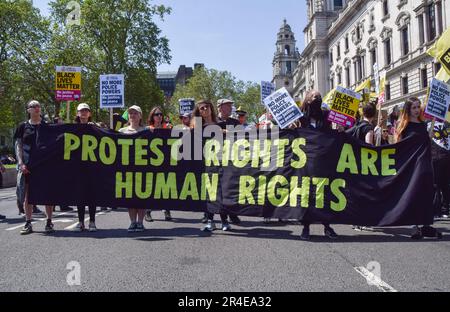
[(337, 4), (339, 78), (387, 51), (431, 21), (288, 68), (373, 58), (385, 7), (439, 15), (421, 29), (347, 76), (404, 85), (331, 57), (331, 83), (346, 43), (312, 67), (405, 40), (287, 50), (358, 68), (338, 50), (388, 91), (424, 77)]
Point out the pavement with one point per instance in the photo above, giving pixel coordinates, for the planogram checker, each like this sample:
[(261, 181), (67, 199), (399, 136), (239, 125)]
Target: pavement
[(177, 257)]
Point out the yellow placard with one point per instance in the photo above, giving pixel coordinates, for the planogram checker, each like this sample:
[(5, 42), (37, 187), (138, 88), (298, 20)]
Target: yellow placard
[(345, 104)]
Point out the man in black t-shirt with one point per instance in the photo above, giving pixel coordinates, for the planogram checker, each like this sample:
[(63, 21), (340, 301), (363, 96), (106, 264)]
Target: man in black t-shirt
[(25, 138)]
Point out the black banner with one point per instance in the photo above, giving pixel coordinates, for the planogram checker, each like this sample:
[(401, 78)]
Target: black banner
[(301, 174)]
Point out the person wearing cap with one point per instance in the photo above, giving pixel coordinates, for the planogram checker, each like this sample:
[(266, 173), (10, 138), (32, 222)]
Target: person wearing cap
[(242, 115), (155, 121), (84, 118), (135, 126), (25, 138), (186, 120), (225, 108)]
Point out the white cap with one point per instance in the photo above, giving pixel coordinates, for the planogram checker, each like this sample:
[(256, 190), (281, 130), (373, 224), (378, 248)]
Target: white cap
[(83, 106), (136, 108)]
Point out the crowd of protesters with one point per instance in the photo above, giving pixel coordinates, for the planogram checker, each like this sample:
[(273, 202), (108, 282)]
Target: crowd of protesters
[(400, 124)]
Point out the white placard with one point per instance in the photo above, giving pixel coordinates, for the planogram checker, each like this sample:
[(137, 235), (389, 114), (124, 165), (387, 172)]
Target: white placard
[(186, 106), (283, 108), (438, 99), (267, 88), (112, 93)]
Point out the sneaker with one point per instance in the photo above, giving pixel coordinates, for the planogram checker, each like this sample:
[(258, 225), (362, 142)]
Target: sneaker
[(132, 228), (2, 217), (226, 227), (417, 233), (431, 232), (305, 236), (65, 208), (367, 229), (205, 220), (445, 216), (49, 228), (330, 233), (104, 209), (79, 228), (148, 216), (167, 215), (235, 219), (357, 228), (139, 228), (209, 227), (36, 210), (27, 229), (266, 221), (92, 227)]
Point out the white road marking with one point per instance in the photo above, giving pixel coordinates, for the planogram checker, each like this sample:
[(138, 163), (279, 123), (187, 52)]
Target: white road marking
[(374, 280)]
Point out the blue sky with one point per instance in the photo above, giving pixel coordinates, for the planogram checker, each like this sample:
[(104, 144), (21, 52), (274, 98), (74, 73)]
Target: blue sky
[(234, 35)]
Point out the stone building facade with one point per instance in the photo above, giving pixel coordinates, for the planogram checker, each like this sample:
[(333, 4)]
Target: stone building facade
[(345, 38)]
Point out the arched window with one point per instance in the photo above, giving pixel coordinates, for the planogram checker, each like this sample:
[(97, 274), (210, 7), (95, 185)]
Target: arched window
[(287, 50)]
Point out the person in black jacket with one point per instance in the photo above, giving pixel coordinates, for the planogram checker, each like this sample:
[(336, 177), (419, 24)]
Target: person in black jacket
[(315, 118)]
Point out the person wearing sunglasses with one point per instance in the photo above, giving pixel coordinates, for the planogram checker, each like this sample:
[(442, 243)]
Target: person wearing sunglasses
[(25, 138), (155, 121)]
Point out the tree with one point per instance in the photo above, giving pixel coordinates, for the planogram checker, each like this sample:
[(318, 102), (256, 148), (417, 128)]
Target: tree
[(212, 84), (126, 41)]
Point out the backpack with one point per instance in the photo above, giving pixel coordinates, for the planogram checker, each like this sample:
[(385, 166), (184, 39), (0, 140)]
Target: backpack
[(357, 130)]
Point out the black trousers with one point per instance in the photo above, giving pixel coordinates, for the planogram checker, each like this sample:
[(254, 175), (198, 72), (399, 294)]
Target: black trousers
[(82, 212), (442, 181)]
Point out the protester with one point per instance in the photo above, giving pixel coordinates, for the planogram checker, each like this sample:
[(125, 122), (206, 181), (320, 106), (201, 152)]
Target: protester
[(411, 123), (316, 119), (155, 121), (204, 111), (185, 120), (364, 132), (225, 108), (392, 121), (84, 118), (385, 137), (25, 138), (242, 118), (440, 154), (135, 126)]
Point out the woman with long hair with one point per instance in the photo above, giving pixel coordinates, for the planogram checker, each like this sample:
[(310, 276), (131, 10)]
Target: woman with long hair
[(411, 122), (205, 115), (316, 119), (135, 126), (155, 121)]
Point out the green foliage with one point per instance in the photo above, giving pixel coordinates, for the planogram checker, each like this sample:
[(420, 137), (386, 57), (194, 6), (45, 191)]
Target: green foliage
[(114, 37), (213, 85)]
